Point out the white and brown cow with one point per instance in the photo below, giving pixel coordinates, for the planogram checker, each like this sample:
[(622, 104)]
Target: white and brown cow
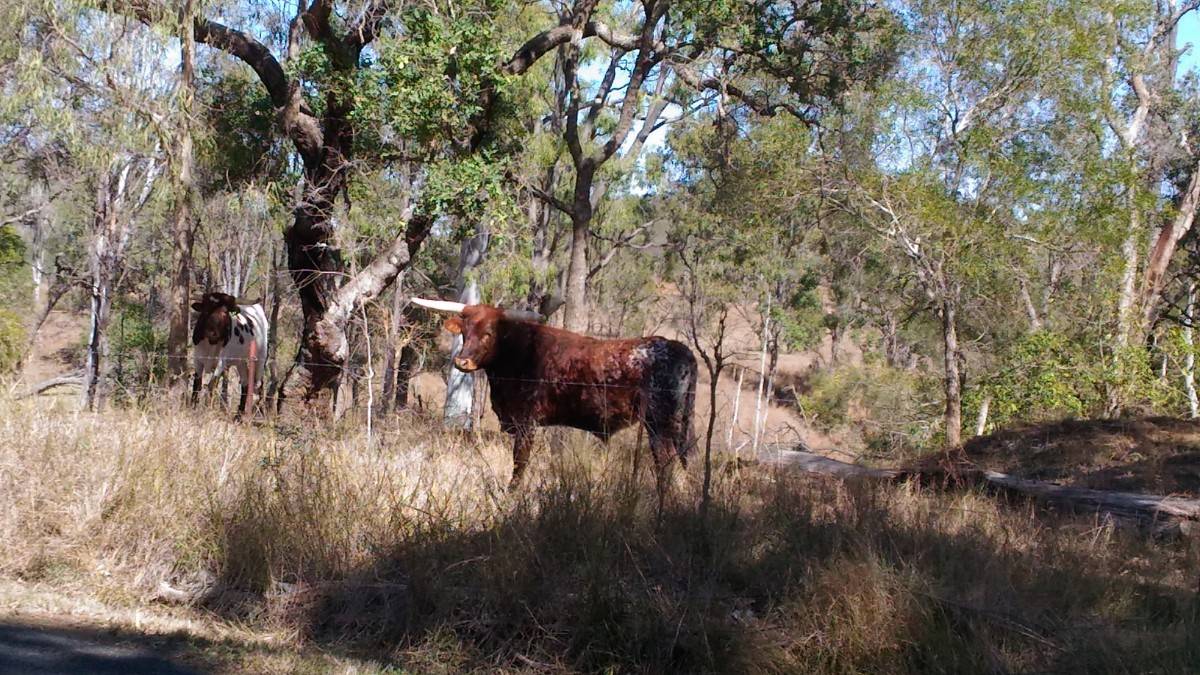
[(229, 335)]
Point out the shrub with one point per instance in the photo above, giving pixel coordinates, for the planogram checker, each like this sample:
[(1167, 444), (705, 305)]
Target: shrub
[(896, 411)]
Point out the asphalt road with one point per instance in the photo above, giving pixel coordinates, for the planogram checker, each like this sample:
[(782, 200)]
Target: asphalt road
[(32, 649)]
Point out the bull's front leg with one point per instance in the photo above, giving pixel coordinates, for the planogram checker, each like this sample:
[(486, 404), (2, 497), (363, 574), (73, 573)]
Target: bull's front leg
[(522, 443)]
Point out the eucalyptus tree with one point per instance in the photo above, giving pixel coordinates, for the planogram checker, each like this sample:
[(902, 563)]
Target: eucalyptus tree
[(934, 185), (101, 89), (763, 58), (1137, 94)]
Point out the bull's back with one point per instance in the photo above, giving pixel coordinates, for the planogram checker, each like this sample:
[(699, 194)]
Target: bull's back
[(597, 385)]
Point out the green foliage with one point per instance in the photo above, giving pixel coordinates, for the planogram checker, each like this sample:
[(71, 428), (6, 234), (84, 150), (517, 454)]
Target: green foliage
[(14, 289), (1047, 375), (137, 349), (243, 144), (425, 87), (896, 411), (1043, 376)]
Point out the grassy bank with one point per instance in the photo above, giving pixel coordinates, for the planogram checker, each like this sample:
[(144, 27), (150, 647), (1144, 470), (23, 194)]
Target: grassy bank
[(407, 551)]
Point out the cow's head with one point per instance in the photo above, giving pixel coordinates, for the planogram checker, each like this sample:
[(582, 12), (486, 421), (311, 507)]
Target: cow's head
[(215, 318), (481, 327)]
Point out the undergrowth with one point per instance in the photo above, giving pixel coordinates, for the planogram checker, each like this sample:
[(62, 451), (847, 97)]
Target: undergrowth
[(405, 547)]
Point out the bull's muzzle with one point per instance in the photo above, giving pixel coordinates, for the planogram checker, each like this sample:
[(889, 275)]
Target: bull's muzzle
[(465, 365)]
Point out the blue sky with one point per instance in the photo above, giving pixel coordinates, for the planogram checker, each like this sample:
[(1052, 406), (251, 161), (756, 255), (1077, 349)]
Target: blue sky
[(1189, 32)]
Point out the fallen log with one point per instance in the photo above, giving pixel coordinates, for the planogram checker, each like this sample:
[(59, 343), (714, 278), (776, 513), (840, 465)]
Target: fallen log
[(1116, 502), (47, 385), (1127, 504)]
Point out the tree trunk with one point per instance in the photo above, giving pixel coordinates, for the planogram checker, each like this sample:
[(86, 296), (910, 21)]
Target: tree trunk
[(761, 393), (1189, 358), (275, 289), (1128, 318), (391, 354), (39, 229), (982, 419), (400, 359), (182, 233), (952, 380), (110, 190), (460, 386), (1164, 248), (576, 313), (737, 405)]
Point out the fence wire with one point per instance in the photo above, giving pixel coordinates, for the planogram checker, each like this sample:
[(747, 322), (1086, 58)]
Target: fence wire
[(150, 379)]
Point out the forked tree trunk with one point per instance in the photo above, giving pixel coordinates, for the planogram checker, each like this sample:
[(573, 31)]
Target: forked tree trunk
[(182, 233)]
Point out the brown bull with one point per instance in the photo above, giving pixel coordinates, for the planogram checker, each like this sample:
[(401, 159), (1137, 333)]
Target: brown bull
[(543, 376)]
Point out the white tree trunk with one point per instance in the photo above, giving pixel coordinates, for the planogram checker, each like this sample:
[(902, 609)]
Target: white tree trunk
[(39, 228), (737, 404), (759, 414), (460, 386), (982, 419), (1189, 359)]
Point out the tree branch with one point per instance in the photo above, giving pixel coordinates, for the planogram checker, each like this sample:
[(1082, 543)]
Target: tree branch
[(367, 28)]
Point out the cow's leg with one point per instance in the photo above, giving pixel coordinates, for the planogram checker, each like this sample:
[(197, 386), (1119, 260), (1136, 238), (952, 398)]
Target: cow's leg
[(662, 449), (197, 380), (522, 443), (245, 383)]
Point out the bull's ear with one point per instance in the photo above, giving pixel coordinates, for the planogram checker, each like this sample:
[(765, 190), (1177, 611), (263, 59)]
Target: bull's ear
[(454, 325), (198, 306)]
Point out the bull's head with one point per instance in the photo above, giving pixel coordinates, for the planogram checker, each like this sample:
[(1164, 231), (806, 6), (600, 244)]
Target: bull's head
[(216, 311), (215, 318), (481, 327)]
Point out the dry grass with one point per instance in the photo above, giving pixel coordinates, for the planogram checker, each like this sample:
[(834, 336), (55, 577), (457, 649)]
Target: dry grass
[(408, 553)]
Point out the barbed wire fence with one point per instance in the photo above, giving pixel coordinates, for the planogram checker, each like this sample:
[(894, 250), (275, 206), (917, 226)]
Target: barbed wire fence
[(140, 375)]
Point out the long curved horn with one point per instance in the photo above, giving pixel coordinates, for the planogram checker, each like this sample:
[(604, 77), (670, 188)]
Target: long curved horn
[(439, 305), (523, 315)]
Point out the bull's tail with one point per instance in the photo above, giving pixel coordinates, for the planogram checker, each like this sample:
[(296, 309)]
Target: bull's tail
[(685, 439)]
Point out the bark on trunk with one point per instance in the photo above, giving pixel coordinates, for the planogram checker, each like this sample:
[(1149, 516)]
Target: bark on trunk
[(182, 233), (953, 379)]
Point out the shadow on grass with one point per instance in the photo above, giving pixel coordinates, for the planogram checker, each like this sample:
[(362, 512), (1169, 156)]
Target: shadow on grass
[(1156, 455), (39, 648), (788, 575)]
